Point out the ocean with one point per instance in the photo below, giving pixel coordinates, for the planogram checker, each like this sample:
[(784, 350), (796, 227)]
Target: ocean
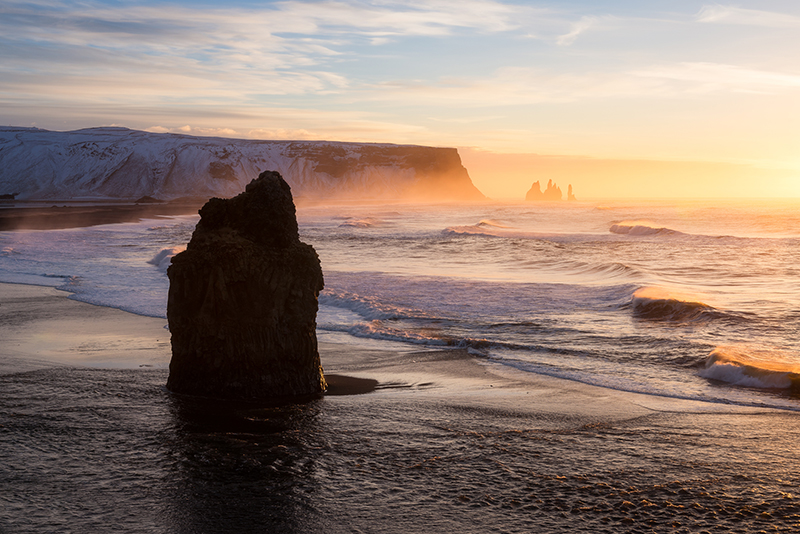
[(693, 300)]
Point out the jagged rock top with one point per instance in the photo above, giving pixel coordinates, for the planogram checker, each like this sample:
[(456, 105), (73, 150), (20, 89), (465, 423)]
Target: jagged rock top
[(264, 214)]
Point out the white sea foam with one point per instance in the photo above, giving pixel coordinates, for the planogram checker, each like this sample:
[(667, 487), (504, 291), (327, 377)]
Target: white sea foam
[(551, 290), (752, 367), (163, 259), (368, 307), (378, 330), (360, 222)]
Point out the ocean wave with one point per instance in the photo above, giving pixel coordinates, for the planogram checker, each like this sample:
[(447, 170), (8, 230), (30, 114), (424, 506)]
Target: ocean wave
[(656, 304), (755, 368), (354, 222), (614, 269), (425, 336), (370, 308), (492, 224), (472, 230), (378, 330), (492, 230), (642, 228), (603, 272), (163, 259)]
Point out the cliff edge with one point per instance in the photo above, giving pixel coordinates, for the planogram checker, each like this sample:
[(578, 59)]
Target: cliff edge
[(118, 163)]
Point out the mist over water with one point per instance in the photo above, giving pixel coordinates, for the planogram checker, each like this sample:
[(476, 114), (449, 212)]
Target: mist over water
[(643, 297)]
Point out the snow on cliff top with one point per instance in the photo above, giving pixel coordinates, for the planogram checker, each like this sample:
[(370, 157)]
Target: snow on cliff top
[(119, 163)]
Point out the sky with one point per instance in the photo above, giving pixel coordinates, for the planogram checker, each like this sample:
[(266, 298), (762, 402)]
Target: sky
[(627, 98)]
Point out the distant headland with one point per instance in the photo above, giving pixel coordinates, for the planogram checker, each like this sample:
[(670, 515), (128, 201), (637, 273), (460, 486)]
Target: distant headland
[(123, 164)]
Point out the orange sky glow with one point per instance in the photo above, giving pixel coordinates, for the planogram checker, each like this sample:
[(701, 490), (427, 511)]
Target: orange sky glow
[(631, 99), (509, 176)]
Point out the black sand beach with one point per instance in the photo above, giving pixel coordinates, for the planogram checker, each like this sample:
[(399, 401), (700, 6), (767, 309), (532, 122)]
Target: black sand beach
[(438, 441), (40, 216)]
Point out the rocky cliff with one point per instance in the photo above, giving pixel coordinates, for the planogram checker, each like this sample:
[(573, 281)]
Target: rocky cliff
[(117, 163), (242, 300)]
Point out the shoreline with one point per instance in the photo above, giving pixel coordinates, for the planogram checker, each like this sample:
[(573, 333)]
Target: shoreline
[(427, 441), (42, 327)]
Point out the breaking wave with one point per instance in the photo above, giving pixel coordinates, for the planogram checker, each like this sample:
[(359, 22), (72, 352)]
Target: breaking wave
[(642, 228), (492, 224), (755, 368), (485, 229), (163, 259), (656, 304), (353, 222)]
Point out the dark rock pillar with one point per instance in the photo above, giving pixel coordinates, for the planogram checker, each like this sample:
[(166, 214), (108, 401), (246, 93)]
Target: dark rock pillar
[(243, 300)]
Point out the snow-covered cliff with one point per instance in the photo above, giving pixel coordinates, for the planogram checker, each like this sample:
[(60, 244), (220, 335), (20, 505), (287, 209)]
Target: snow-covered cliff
[(103, 163)]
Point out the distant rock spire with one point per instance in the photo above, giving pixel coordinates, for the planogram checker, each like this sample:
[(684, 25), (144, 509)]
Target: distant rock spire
[(535, 192), (570, 196), (552, 192)]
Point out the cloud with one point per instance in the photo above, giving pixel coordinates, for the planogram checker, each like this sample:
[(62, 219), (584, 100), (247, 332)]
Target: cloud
[(173, 28), (712, 77), (429, 18), (270, 123), (747, 17), (577, 28), (193, 130), (524, 86), (135, 52)]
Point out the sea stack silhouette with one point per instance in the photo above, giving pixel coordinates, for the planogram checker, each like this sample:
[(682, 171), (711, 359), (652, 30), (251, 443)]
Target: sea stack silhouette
[(553, 192), (242, 302)]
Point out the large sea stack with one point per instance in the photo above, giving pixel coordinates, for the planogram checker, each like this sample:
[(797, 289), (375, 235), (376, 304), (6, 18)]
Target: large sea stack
[(242, 300)]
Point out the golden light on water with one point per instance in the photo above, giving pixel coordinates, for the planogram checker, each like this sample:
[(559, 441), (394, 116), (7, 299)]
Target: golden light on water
[(753, 366), (664, 294)]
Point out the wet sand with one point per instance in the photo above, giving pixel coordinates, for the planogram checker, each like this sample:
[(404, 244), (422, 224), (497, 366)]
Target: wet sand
[(430, 441)]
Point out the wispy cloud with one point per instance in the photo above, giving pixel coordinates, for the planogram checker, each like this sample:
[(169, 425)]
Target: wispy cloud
[(713, 77), (433, 17), (748, 17), (519, 86), (284, 48), (577, 28)]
